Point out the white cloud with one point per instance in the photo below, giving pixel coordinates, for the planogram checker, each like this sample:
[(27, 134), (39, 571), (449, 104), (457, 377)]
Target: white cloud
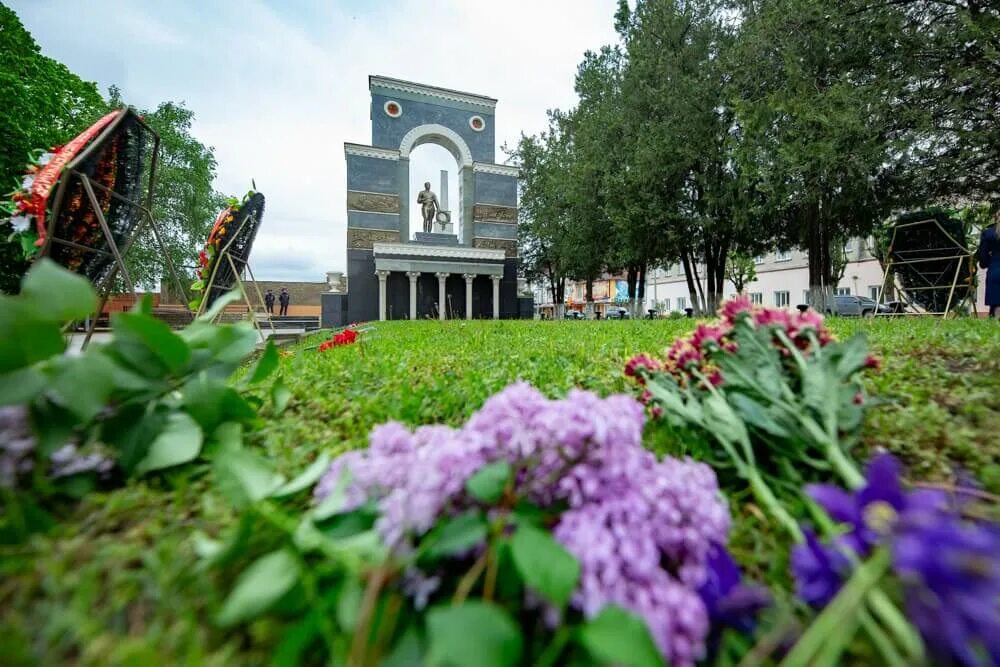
[(278, 87)]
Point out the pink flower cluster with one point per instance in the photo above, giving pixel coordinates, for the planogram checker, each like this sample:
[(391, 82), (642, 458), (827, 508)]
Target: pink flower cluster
[(692, 361)]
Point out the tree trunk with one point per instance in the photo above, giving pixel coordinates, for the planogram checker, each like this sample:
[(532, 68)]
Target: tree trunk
[(691, 279), (641, 290), (588, 308), (631, 275), (820, 289), (560, 302)]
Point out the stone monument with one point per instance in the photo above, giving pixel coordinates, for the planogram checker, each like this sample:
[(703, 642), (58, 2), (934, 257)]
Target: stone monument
[(463, 262)]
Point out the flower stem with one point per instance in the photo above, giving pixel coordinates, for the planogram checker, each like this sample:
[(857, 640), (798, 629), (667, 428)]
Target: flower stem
[(881, 641), (470, 578), (842, 610), (762, 492), (893, 619), (555, 648)]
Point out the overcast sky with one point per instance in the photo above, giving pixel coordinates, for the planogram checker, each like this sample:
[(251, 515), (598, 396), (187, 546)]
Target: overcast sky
[(278, 86)]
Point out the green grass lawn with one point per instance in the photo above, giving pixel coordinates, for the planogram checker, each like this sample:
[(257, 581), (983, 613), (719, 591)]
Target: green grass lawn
[(118, 582)]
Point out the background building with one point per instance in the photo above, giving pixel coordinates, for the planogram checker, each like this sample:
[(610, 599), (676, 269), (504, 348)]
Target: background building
[(782, 280)]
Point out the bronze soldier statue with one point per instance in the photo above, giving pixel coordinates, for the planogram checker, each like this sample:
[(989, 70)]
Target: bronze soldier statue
[(428, 206)]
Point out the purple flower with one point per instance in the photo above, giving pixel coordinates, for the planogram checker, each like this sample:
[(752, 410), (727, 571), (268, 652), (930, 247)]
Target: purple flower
[(819, 570), (730, 603), (641, 528), (872, 510), (951, 575)]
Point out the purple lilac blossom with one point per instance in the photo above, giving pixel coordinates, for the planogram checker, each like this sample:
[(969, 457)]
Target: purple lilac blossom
[(17, 445), (17, 452), (642, 529)]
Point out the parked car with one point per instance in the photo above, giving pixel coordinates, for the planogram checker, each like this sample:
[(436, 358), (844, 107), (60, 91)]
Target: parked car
[(859, 306), (575, 315), (616, 314)]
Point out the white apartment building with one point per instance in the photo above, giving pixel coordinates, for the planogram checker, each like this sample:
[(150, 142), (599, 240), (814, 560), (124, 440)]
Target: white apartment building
[(782, 280)]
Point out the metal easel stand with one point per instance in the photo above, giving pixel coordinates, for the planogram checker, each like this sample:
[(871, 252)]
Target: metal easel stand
[(225, 255), (107, 285), (890, 277)]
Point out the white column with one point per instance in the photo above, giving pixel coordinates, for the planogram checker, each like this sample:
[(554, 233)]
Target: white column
[(469, 277), (442, 305), (496, 297), (413, 275), (382, 277)]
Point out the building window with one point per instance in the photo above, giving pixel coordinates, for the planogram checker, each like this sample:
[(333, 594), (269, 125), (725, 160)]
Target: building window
[(682, 303), (785, 256), (666, 304), (759, 259), (843, 291), (757, 298), (805, 296), (873, 291), (849, 246), (782, 299)]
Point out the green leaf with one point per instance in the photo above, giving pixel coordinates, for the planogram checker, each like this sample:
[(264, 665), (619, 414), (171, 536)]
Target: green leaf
[(618, 637), (407, 652), (147, 332), (473, 633), (544, 564), (20, 386), (26, 336), (306, 478), (456, 535), (296, 640), (132, 431), (82, 384), (179, 442), (280, 396), (260, 586), (266, 365), (724, 422), (852, 354), (757, 415), (489, 481), (65, 295), (245, 477), (349, 604), (198, 285)]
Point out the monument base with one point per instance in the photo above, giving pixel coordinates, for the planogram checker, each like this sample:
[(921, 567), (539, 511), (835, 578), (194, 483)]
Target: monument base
[(434, 238)]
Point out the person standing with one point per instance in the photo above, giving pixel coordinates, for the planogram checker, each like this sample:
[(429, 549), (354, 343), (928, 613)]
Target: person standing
[(989, 259), (283, 299), (269, 302)]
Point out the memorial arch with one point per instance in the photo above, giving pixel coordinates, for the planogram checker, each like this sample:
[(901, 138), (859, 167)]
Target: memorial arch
[(398, 273)]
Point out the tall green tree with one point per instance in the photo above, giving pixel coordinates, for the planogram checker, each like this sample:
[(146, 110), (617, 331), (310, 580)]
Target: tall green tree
[(685, 134), (820, 136), (598, 158), (544, 208), (44, 104)]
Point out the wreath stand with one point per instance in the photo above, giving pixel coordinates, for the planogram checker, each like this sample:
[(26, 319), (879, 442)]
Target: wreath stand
[(116, 254), (897, 257), (224, 255)]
